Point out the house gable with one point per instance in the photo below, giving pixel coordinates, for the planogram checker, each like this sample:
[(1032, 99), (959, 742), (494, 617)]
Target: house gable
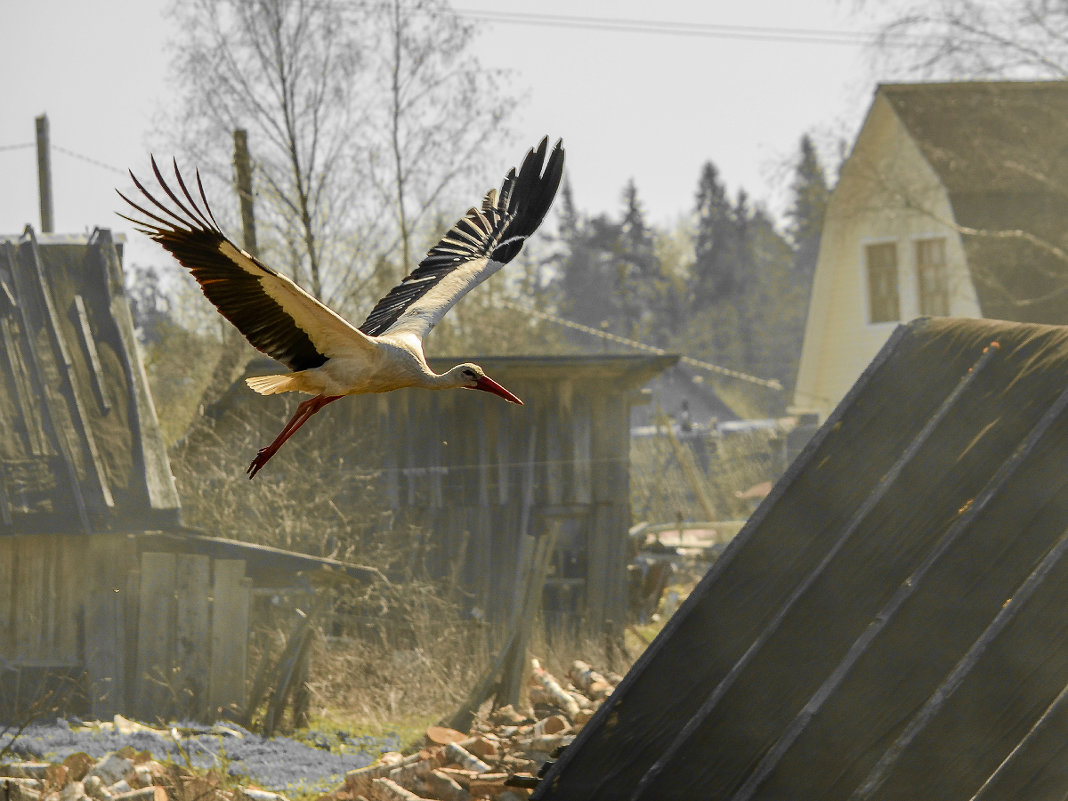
[(888, 195)]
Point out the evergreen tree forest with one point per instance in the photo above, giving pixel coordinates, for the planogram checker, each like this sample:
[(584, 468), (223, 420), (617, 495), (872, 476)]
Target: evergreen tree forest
[(729, 285)]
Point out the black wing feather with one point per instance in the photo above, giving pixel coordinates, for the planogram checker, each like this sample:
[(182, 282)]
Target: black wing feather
[(194, 239), (496, 230)]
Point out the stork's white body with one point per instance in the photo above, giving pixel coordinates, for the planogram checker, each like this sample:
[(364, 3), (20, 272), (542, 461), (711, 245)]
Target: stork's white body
[(328, 356)]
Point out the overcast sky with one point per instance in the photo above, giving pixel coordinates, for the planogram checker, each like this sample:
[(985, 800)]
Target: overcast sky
[(739, 85)]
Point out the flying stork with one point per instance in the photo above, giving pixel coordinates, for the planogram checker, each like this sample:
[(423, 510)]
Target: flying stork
[(329, 357)]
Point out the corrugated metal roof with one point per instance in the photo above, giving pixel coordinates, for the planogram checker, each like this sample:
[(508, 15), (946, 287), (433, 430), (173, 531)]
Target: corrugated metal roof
[(892, 623)]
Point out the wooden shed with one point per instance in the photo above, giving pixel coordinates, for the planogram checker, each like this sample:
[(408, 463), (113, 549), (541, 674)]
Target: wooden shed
[(486, 478), (892, 622), (106, 601)]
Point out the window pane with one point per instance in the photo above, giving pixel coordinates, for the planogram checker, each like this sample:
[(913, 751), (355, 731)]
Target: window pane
[(882, 282), (931, 278)]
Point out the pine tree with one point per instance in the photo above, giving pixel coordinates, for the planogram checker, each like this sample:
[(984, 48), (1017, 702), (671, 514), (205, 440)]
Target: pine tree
[(805, 215), (713, 272)]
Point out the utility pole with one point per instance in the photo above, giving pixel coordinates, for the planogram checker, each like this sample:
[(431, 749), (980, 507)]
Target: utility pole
[(44, 174), (243, 172)]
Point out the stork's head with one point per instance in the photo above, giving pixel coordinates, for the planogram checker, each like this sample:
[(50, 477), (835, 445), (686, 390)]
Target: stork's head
[(471, 376)]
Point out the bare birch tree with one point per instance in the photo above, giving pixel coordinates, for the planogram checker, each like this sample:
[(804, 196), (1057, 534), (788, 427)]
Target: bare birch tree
[(953, 39), (360, 118), (288, 72), (441, 111)]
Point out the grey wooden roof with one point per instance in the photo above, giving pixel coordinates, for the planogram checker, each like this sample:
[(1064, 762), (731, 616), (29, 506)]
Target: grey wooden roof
[(81, 450), (892, 623)]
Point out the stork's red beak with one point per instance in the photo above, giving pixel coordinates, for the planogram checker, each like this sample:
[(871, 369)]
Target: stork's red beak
[(487, 384)]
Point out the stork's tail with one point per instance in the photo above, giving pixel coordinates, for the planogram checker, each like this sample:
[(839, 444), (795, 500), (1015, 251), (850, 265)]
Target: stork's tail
[(272, 384)]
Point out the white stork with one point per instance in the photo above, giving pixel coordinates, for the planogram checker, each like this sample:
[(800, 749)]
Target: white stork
[(328, 356)]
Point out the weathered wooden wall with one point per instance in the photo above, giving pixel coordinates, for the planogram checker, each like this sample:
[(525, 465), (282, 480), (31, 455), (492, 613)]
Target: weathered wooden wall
[(154, 635), (484, 477)]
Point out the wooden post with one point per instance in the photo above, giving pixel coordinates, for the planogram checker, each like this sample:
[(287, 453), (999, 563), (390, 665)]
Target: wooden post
[(44, 174), (527, 613), (243, 176)]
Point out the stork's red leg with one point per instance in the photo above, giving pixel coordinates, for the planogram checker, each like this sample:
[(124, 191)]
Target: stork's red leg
[(304, 411)]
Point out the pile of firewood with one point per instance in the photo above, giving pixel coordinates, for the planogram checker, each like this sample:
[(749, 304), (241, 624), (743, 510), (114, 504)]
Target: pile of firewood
[(500, 757), (125, 775)]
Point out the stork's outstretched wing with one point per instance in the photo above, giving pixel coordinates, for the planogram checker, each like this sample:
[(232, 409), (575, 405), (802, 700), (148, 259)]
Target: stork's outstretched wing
[(482, 242), (275, 315)]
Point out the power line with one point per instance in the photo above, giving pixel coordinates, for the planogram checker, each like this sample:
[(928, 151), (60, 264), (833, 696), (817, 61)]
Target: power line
[(769, 383), (690, 29), (67, 152), (88, 159)]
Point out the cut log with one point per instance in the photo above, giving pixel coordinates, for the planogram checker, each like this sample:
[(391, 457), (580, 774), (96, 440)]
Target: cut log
[(360, 781), (19, 790), (443, 735), (444, 787), (592, 683), (26, 770), (454, 752), (252, 794), (489, 784), (554, 724), (95, 788), (559, 696), (388, 790), (78, 765), (153, 793)]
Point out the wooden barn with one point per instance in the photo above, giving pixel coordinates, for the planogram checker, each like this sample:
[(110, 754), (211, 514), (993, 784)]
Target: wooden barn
[(892, 622), (107, 603), (487, 478)]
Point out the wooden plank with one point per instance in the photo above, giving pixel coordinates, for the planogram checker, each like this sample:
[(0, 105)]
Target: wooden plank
[(69, 555), (8, 576), (480, 457), (53, 416), (96, 371), (193, 641), (159, 482), (105, 650), (526, 613), (229, 638), (581, 450), (505, 454), (30, 600), (28, 411), (132, 613), (553, 472), (387, 447), (71, 387), (155, 635)]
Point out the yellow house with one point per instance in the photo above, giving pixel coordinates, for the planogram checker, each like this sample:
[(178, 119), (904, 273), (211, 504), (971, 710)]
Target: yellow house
[(953, 202)]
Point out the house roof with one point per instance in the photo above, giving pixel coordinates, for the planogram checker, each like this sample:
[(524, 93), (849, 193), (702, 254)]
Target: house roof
[(893, 615), (82, 450), (1000, 148)]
